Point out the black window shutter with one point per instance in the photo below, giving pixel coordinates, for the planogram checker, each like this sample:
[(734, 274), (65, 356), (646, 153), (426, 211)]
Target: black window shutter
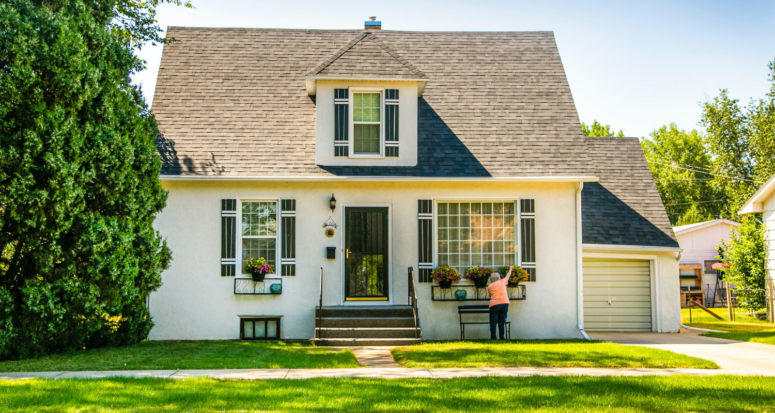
[(527, 236), (425, 239), (288, 237), (391, 122), (228, 237), (341, 122)]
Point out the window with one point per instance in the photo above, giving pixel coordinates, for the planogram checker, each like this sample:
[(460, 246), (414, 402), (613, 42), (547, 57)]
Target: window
[(476, 234), (367, 115), (259, 231), (260, 328)]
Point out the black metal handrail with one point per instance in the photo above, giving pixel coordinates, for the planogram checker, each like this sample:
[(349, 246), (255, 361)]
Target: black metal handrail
[(413, 302), (320, 306), (249, 286), (474, 293)]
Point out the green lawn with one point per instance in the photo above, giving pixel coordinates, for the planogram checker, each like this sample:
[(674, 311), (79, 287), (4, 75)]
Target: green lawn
[(481, 395), (542, 353), (742, 329), (173, 355)]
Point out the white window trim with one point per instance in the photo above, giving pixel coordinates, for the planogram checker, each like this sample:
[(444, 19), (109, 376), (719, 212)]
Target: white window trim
[(517, 228), (278, 237), (351, 126)]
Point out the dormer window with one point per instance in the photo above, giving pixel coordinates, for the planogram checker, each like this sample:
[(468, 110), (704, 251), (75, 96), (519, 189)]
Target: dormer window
[(367, 124)]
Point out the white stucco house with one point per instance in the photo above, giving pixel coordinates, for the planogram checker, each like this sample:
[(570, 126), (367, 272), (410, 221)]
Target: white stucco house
[(356, 161), (763, 202), (699, 242)]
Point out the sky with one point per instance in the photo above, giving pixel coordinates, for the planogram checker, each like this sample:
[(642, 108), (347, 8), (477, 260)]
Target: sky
[(633, 65)]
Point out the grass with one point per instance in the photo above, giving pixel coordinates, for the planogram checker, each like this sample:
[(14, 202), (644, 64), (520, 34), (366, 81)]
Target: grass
[(481, 395), (174, 355), (742, 329), (542, 353)]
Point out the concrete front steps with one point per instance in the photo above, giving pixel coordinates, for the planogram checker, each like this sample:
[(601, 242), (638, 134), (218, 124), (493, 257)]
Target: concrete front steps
[(366, 326)]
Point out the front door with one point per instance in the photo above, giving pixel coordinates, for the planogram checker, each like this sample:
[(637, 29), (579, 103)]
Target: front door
[(366, 254)]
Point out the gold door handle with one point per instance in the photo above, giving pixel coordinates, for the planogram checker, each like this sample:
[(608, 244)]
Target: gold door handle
[(347, 254)]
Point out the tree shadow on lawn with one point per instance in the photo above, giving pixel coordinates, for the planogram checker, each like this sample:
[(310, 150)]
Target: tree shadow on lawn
[(486, 394)]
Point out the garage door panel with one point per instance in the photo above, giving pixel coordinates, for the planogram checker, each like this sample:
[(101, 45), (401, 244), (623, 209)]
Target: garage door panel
[(617, 295), (618, 304), (605, 262), (618, 318), (619, 310), (644, 277), (617, 284), (617, 292), (634, 327), (616, 271)]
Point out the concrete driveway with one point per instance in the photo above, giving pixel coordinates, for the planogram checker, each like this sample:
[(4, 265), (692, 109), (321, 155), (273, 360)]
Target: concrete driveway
[(728, 354)]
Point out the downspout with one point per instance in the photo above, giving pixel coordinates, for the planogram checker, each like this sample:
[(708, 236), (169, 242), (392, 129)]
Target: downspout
[(579, 266)]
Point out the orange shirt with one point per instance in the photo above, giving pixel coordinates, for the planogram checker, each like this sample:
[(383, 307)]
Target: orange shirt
[(498, 293)]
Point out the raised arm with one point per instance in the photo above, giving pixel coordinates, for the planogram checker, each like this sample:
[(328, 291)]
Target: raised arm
[(508, 275)]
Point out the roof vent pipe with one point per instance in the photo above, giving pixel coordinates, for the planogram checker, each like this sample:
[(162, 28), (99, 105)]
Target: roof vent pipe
[(372, 24)]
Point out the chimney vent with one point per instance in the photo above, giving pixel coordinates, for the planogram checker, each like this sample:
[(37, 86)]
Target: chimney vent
[(372, 24)]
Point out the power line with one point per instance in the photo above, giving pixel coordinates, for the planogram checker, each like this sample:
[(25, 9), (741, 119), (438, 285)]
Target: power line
[(674, 165), (698, 202)]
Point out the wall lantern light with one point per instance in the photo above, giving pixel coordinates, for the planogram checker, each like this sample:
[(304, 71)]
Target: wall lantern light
[(332, 203)]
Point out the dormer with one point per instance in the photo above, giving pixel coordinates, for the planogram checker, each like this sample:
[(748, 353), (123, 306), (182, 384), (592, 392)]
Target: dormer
[(366, 98)]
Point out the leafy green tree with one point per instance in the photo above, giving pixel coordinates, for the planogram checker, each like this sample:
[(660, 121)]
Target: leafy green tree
[(742, 143), (596, 129), (745, 254), (679, 162), (79, 186)]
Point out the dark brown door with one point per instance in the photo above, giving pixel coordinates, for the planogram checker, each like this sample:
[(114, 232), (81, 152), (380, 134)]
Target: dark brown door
[(366, 254)]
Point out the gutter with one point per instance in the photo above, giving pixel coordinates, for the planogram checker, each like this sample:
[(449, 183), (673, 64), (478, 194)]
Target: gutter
[(593, 247), (579, 266), (328, 178)]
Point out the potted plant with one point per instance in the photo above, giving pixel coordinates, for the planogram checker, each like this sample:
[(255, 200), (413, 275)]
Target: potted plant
[(445, 275), (518, 275), (479, 275), (258, 268)]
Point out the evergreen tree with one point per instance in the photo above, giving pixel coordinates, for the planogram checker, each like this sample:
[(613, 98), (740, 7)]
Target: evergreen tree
[(79, 186), (745, 254)]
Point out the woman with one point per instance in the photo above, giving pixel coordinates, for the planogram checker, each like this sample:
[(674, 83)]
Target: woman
[(499, 303)]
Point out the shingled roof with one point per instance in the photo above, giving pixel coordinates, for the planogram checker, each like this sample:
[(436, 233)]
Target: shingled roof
[(367, 57), (233, 102), (624, 208)]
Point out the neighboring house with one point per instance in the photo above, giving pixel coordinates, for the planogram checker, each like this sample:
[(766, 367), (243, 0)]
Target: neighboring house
[(699, 243), (371, 157), (763, 201)]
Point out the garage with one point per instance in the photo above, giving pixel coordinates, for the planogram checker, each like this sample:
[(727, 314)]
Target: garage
[(617, 295)]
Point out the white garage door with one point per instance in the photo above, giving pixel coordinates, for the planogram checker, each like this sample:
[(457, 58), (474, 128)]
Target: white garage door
[(617, 295)]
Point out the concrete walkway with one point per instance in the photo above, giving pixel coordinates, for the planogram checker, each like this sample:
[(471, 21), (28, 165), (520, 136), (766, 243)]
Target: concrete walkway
[(389, 373), (374, 357), (728, 354)]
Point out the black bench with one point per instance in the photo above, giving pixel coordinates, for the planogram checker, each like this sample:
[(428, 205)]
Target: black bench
[(477, 309)]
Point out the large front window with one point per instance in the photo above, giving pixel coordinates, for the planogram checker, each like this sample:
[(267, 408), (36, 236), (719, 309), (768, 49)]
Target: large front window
[(476, 234), (367, 109), (259, 231)]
